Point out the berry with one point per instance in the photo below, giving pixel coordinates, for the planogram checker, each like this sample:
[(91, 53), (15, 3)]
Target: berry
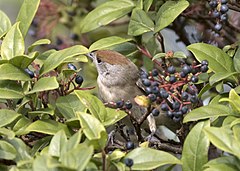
[(29, 72), (129, 145), (194, 99), (213, 4), (184, 109), (224, 17), (155, 112), (215, 14), (148, 90), (164, 106), (171, 70), (176, 119), (204, 68), (71, 66), (176, 105), (218, 27), (178, 114), (224, 8), (79, 79), (186, 69), (152, 97), (163, 93), (184, 95), (170, 114), (194, 79), (154, 72), (182, 75), (74, 36), (59, 41), (172, 79), (128, 105), (224, 1), (128, 162), (155, 83), (204, 62), (146, 82), (155, 89), (143, 75), (120, 103)]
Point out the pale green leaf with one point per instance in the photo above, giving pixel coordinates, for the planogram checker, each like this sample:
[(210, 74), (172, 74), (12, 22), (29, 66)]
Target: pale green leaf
[(7, 151), (57, 143), (5, 23), (220, 76), (8, 116), (10, 90), (37, 43)]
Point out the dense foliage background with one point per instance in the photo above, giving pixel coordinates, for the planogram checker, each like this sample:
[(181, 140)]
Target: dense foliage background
[(52, 119)]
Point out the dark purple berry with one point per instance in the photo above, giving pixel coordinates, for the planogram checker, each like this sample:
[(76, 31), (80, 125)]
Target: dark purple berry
[(184, 109), (155, 112), (186, 69), (204, 68), (194, 79), (224, 17), (184, 95), (171, 70), (163, 93), (224, 1), (143, 75), (120, 103), (182, 75), (213, 3), (148, 90), (29, 72), (79, 79), (164, 107), (216, 14), (154, 72), (176, 119), (129, 145), (128, 162), (155, 90), (71, 66), (204, 62), (152, 97), (155, 84), (218, 27), (178, 114), (128, 105), (224, 8), (146, 82), (170, 114), (172, 79), (194, 99), (175, 105)]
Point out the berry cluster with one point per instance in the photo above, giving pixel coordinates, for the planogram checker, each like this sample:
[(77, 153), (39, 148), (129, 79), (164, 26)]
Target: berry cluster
[(173, 90), (219, 9)]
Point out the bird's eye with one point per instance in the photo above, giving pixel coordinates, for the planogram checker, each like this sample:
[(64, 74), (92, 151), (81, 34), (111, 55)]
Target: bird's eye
[(99, 60)]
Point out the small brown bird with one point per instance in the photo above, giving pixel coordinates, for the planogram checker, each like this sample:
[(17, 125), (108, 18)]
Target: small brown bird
[(117, 80)]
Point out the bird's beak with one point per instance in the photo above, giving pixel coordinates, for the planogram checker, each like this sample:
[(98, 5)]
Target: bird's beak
[(90, 55)]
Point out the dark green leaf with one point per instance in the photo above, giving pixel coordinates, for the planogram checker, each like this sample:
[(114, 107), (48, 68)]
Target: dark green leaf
[(205, 112), (26, 14), (195, 148), (23, 61), (168, 12), (10, 90), (140, 23), (13, 43), (107, 42), (69, 105), (8, 116), (10, 72), (106, 13), (219, 61), (57, 58), (44, 84), (148, 159), (5, 23), (220, 76)]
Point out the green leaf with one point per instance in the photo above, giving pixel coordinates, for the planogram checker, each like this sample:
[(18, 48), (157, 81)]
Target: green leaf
[(106, 13), (7, 151), (44, 84), (179, 54), (195, 148), (13, 43), (168, 12), (147, 4), (236, 60), (113, 116), (50, 127), (5, 23), (37, 43), (220, 76), (140, 23), (10, 90), (10, 72), (8, 116), (148, 159), (229, 163), (205, 112), (23, 61), (223, 138), (57, 143), (93, 129), (107, 42), (78, 157), (159, 55), (233, 99), (57, 58), (69, 105), (4, 132), (21, 125), (72, 142), (25, 15), (93, 104), (219, 61)]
